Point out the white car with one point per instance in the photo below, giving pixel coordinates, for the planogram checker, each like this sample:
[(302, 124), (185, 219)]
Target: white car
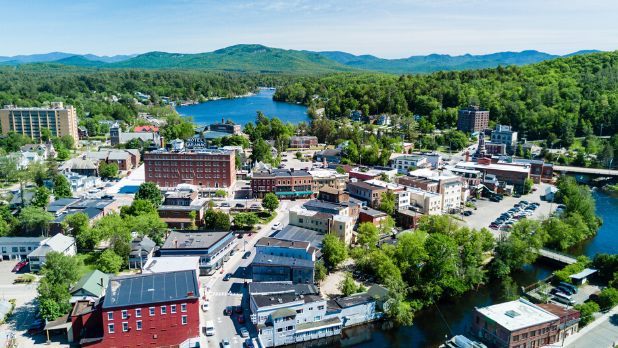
[(277, 226), (244, 332), (206, 307)]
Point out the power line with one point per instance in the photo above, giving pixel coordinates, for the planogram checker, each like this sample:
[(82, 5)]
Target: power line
[(439, 311)]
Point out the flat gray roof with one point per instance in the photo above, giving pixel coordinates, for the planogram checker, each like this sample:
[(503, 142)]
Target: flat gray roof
[(194, 239), (274, 260)]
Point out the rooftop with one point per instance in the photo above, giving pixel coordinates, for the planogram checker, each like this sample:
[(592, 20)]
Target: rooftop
[(57, 243), (318, 324), (274, 242), (354, 300), (387, 185), (267, 301), (410, 158), (91, 282), (296, 233), (330, 152), (318, 204), (143, 247), (326, 173), (502, 167), (372, 212), (180, 207), (283, 289), (263, 259), (517, 315), (170, 264), (365, 185), (21, 240), (151, 288), (583, 274), (209, 152), (194, 239), (331, 190), (557, 310), (117, 155)]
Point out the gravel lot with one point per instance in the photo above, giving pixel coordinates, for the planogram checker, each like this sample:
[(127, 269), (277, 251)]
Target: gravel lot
[(488, 211)]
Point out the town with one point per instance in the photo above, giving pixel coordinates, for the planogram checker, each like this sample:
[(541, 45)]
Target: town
[(227, 239)]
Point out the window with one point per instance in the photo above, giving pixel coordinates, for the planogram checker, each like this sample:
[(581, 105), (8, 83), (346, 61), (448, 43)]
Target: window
[(124, 314), (138, 325), (184, 320), (163, 310), (290, 328), (533, 333), (299, 311), (183, 307), (320, 308), (173, 307), (110, 315), (280, 329), (515, 338), (138, 313), (477, 319), (110, 328), (125, 327), (152, 311), (318, 318)]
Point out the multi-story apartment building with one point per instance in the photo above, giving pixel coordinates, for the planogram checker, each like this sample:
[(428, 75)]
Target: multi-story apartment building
[(429, 203), (210, 170), (280, 247), (328, 178), (403, 163), (231, 128), (158, 309), (515, 324), (368, 192), (472, 119), (341, 225), (452, 196), (60, 120), (402, 197), (274, 268), (213, 247), (285, 183), (303, 141), (504, 135)]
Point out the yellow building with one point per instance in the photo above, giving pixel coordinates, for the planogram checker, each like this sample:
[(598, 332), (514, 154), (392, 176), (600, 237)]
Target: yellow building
[(60, 120)]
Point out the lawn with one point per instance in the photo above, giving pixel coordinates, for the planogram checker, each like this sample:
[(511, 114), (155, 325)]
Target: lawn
[(265, 217), (90, 261)]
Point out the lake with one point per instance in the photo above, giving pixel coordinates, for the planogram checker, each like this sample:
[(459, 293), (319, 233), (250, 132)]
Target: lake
[(243, 110)]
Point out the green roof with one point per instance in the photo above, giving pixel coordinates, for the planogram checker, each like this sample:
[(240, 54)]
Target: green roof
[(91, 283), (282, 313), (379, 291), (318, 324)]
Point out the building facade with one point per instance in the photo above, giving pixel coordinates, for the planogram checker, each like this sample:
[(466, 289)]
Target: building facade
[(273, 268), (505, 135), (403, 163), (58, 243), (303, 141), (370, 193), (328, 178), (207, 169), (231, 128), (60, 120), (472, 119), (284, 183), (18, 248)]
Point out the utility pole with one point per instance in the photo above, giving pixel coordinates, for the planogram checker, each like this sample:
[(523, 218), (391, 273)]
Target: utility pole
[(601, 133)]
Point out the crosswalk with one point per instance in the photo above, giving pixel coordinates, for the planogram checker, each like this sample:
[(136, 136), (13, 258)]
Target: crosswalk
[(225, 294), (283, 205)]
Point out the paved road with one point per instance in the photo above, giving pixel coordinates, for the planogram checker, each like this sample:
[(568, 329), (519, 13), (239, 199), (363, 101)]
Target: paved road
[(222, 294), (601, 333)]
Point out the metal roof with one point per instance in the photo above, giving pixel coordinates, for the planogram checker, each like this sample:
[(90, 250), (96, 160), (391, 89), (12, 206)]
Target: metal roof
[(151, 288), (318, 324), (58, 243), (296, 233), (282, 313), (583, 274), (264, 288), (274, 260), (171, 264), (91, 283), (194, 239), (280, 243)]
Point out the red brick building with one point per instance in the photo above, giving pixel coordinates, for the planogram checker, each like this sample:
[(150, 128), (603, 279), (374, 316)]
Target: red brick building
[(285, 183), (147, 310), (569, 319), (515, 324), (207, 169), (303, 142), (419, 182), (376, 217), (330, 194), (472, 119)]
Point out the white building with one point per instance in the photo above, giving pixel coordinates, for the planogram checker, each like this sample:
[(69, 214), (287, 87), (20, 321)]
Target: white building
[(403, 163), (18, 248), (384, 120), (402, 196), (505, 135), (434, 159), (428, 202), (59, 243), (550, 192), (177, 144)]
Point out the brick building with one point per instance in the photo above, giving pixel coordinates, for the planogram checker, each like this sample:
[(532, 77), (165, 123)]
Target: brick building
[(373, 216), (472, 119), (569, 319), (330, 194), (303, 142), (370, 193), (510, 174), (207, 169), (285, 183), (408, 219), (231, 128), (157, 310), (515, 324)]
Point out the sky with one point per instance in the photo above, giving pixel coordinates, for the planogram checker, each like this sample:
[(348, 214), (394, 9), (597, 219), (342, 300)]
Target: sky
[(383, 28)]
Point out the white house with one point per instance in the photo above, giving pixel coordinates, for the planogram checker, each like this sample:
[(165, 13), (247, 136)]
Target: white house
[(403, 163), (177, 144), (18, 248), (59, 243), (434, 159), (384, 120)]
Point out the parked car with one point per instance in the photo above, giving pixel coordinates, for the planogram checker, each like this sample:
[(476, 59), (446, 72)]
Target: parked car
[(107, 197), (227, 277), (571, 287), (255, 205), (128, 173), (249, 343), (228, 310), (240, 205), (238, 309), (516, 195), (241, 319), (565, 290), (244, 332), (225, 204), (467, 213), (246, 255), (277, 226), (226, 343), (494, 199), (206, 307), (555, 291), (20, 265)]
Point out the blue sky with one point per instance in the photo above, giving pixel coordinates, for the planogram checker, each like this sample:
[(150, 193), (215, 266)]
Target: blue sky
[(384, 28)]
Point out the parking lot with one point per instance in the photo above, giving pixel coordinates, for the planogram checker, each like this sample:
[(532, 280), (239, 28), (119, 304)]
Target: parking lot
[(488, 211)]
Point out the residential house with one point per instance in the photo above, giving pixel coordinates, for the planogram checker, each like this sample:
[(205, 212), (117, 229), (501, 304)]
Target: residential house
[(17, 202), (434, 159), (404, 163), (45, 149), (273, 268), (515, 324), (379, 293), (85, 166), (145, 129), (142, 250), (91, 287), (384, 120), (212, 247), (329, 155), (274, 246), (82, 132), (58, 243), (18, 248), (94, 208)]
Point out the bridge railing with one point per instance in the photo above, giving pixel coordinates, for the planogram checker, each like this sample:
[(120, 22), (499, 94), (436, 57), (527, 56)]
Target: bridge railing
[(559, 253)]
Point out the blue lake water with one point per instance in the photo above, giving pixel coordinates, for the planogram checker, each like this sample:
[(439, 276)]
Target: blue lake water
[(243, 110)]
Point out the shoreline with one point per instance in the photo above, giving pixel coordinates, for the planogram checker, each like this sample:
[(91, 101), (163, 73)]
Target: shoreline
[(250, 94)]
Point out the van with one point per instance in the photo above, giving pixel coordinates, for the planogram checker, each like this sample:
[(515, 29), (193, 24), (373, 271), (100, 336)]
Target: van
[(571, 287), (210, 328), (564, 299)]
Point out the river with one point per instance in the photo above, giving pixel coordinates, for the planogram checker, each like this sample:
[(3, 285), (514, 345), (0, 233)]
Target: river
[(244, 110)]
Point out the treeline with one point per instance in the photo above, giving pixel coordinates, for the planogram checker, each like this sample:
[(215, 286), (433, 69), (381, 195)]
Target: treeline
[(563, 96)]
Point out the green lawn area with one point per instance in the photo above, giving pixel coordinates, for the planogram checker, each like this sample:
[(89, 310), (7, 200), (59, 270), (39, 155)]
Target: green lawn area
[(265, 217), (90, 260)]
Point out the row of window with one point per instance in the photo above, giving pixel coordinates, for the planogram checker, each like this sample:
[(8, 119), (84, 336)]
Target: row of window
[(14, 249), (281, 182), (138, 325), (212, 158), (202, 164), (187, 176), (151, 310), (534, 333)]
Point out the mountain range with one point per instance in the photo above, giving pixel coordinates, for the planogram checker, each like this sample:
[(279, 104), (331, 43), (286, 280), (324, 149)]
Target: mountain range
[(259, 58)]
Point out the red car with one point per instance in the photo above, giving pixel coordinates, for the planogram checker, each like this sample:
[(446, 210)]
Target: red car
[(238, 309), (20, 265), (128, 173), (241, 319)]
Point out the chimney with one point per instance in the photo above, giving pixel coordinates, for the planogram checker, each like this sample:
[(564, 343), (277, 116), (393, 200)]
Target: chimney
[(102, 285), (189, 293), (176, 243), (291, 170), (223, 120), (467, 156)]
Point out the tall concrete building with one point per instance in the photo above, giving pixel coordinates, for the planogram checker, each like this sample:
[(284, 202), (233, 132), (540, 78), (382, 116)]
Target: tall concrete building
[(472, 119), (59, 119)]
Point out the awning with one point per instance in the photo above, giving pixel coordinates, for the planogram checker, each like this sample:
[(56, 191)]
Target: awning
[(61, 323), (294, 193)]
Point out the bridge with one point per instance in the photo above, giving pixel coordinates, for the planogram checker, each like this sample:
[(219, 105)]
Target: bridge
[(556, 256), (586, 171)]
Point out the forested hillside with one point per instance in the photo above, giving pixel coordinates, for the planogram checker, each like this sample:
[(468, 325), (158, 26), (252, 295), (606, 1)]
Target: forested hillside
[(566, 96)]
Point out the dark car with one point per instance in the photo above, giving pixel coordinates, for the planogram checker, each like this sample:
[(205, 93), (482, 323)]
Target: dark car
[(238, 309), (467, 213), (555, 291), (240, 205), (107, 197), (36, 327), (241, 319), (494, 199), (246, 255), (228, 310), (249, 343), (565, 290), (516, 195), (227, 276)]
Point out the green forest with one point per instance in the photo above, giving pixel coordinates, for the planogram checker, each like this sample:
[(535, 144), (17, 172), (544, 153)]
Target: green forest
[(566, 97)]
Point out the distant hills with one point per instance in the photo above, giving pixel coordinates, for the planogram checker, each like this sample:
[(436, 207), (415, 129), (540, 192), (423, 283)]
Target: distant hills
[(259, 58)]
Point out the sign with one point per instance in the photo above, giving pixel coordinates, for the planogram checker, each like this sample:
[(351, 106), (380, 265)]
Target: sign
[(196, 143)]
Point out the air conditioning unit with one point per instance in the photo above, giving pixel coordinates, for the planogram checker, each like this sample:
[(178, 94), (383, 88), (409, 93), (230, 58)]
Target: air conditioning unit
[(154, 336)]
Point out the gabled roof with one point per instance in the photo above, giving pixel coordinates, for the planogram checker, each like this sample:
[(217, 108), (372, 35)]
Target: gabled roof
[(144, 246), (91, 283), (151, 288), (146, 129), (379, 291), (57, 243)]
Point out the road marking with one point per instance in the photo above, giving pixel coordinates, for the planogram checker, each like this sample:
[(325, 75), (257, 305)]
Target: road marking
[(225, 294), (211, 282), (283, 205)]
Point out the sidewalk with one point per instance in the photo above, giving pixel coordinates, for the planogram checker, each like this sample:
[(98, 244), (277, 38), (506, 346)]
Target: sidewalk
[(601, 333)]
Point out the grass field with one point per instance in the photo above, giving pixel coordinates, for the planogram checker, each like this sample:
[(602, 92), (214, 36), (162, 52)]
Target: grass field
[(89, 261)]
